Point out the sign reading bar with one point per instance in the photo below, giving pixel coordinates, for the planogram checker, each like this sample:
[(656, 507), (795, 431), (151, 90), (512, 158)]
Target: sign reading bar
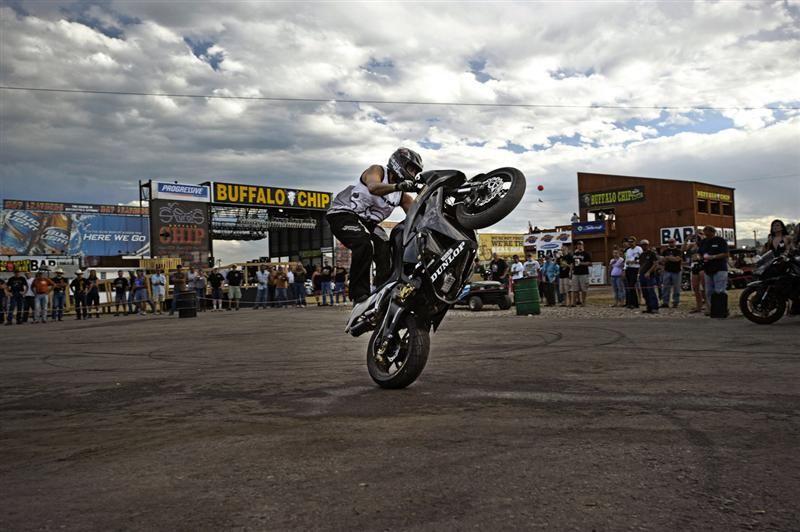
[(181, 192), (547, 244), (77, 208), (607, 198), (680, 234), (259, 196), (719, 196)]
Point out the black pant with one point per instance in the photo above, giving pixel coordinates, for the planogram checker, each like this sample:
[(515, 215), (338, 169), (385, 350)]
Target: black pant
[(367, 247), (30, 306), (548, 290), (631, 277), (80, 305)]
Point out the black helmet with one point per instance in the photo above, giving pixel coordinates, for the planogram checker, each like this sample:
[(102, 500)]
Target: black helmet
[(405, 164)]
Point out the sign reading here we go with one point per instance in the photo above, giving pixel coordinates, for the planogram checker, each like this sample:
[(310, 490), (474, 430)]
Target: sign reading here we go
[(270, 196)]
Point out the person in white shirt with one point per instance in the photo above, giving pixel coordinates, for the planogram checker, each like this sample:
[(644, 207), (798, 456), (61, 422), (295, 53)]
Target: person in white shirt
[(632, 253), (517, 269), (290, 290), (531, 267), (262, 290), (30, 298), (158, 283)]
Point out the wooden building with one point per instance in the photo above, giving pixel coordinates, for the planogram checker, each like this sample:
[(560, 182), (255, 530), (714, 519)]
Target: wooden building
[(613, 207)]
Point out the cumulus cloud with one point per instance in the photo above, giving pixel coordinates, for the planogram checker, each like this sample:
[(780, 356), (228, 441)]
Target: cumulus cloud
[(643, 56)]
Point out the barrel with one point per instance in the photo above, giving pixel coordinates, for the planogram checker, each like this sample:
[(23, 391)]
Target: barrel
[(526, 296), (186, 304)]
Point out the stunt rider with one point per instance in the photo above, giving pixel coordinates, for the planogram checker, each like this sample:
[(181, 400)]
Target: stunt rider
[(358, 209)]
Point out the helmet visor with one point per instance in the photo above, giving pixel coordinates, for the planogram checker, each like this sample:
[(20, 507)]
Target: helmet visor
[(412, 169)]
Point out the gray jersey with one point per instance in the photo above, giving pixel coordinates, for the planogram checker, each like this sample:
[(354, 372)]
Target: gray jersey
[(357, 199)]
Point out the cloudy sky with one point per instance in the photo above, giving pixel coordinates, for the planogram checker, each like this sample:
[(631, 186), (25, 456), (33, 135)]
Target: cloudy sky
[(636, 56)]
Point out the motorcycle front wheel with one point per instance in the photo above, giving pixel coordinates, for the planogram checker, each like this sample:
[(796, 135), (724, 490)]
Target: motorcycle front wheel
[(399, 366), (493, 197), (759, 307)]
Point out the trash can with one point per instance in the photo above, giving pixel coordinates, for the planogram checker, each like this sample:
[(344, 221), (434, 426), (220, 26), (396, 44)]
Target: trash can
[(526, 296), (187, 304)]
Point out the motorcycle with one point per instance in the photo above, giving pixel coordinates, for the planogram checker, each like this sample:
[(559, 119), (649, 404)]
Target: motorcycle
[(432, 256), (764, 301)]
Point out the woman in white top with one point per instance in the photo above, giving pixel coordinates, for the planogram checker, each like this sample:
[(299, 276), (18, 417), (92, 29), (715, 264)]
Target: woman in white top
[(632, 253)]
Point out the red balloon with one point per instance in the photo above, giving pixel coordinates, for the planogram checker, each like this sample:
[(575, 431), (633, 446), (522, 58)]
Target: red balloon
[(540, 188)]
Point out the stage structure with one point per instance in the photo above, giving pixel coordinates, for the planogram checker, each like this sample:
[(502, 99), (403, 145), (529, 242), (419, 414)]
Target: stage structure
[(186, 219)]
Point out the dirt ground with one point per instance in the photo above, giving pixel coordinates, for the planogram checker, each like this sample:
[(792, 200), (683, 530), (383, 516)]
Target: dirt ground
[(268, 420)]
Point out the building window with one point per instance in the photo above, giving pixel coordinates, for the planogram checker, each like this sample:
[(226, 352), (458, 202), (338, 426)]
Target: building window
[(727, 209), (702, 205), (714, 207)]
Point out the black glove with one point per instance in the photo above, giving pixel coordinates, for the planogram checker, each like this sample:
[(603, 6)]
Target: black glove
[(406, 186)]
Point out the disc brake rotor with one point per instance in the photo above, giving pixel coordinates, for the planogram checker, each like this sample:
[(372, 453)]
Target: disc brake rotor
[(493, 188)]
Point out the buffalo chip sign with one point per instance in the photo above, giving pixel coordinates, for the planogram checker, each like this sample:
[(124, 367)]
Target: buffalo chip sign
[(259, 196), (180, 229), (607, 198)]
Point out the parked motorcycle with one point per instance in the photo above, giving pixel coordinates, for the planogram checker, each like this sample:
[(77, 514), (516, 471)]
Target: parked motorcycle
[(764, 301), (432, 256)]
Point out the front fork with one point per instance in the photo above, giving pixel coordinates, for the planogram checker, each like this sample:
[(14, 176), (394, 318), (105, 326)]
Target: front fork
[(395, 312)]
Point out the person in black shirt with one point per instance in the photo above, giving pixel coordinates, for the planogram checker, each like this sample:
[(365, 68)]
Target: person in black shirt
[(121, 286), (79, 287), (564, 274), (714, 253), (579, 260), (215, 280), (300, 285), (93, 294), (499, 269), (60, 285), (234, 278), (339, 281), (325, 278), (648, 262), (673, 267), (17, 285)]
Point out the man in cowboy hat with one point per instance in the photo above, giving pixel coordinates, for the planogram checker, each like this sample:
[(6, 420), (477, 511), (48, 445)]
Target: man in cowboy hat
[(59, 294)]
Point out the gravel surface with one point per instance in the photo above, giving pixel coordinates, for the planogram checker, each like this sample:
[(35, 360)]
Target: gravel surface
[(267, 420)]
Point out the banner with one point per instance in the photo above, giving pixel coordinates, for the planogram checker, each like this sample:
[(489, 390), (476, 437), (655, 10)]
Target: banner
[(589, 228), (504, 244), (720, 196), (680, 234), (180, 192), (258, 196), (34, 264), (725, 232), (607, 198), (181, 229), (548, 243), (50, 206), (66, 233), (597, 274)]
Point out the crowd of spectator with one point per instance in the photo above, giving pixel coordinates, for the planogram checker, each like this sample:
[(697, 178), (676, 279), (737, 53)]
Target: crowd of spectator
[(26, 297), (639, 273)]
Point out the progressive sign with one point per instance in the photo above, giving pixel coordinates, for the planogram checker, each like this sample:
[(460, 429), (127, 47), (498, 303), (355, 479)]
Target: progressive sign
[(260, 196), (180, 192)]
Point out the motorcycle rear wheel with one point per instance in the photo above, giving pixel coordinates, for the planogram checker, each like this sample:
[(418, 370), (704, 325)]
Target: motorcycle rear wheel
[(502, 191), (750, 298), (411, 358)]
